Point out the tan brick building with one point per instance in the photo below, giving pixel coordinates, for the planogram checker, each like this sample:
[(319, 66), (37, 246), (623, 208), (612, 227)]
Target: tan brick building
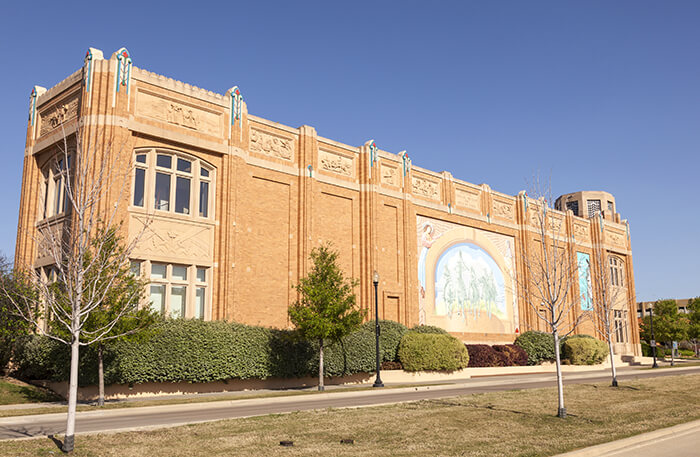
[(237, 203)]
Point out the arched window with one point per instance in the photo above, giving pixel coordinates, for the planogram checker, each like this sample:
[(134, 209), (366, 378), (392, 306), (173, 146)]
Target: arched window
[(171, 181), (54, 200), (617, 271)]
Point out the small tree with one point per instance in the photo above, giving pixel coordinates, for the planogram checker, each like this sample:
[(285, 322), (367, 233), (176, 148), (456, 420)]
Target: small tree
[(669, 325), (12, 326), (604, 304), (694, 322), (550, 273), (325, 310)]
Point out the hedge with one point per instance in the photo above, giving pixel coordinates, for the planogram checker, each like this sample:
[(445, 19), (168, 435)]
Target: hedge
[(429, 329), (198, 351), (539, 346), (483, 355), (515, 354), (429, 351), (584, 350)]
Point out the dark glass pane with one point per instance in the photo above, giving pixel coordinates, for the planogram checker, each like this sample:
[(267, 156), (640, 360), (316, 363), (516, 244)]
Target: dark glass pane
[(139, 182), (58, 190), (164, 161), (162, 195), (204, 172), (182, 195), (184, 165), (204, 199), (141, 158)]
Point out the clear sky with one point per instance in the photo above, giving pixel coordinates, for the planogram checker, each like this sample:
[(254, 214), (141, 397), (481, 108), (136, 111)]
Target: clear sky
[(598, 95)]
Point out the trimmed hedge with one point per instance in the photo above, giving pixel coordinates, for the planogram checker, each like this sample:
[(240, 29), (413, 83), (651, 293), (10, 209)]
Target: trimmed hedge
[(390, 334), (539, 346), (429, 329), (483, 355), (515, 354), (584, 350), (429, 351)]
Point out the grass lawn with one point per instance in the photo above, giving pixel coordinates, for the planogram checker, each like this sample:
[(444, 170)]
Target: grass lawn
[(14, 392), (514, 423)]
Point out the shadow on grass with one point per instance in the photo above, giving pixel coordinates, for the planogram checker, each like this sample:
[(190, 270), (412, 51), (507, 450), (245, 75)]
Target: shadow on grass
[(56, 441)]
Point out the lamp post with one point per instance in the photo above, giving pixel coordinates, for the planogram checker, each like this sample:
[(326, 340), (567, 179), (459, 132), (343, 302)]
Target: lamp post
[(375, 279), (653, 342)]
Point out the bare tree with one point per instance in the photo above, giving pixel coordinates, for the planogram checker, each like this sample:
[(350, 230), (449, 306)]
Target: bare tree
[(84, 265), (550, 275), (605, 303)]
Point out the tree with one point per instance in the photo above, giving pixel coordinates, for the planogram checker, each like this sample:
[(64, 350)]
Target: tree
[(694, 322), (669, 325), (325, 310), (550, 273), (12, 326), (83, 265), (606, 301)]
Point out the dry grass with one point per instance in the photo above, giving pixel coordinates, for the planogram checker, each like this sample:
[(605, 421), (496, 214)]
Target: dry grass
[(515, 423), (13, 392)]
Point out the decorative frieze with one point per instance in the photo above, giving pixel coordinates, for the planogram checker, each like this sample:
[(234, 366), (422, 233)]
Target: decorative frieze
[(467, 199), (581, 232), (58, 114), (426, 188), (390, 175), (503, 210), (173, 238), (178, 113), (271, 145), (616, 239), (335, 163)]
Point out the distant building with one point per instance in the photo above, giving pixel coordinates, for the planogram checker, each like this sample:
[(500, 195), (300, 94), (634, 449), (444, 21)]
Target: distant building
[(644, 307), (237, 203)]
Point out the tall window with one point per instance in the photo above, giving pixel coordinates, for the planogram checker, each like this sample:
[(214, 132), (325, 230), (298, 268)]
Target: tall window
[(620, 325), (593, 207), (177, 290), (617, 272), (173, 182), (54, 198)]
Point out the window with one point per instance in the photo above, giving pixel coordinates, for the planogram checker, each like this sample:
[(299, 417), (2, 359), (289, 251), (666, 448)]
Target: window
[(611, 207), (177, 290), (617, 272), (177, 182), (573, 206), (593, 207), (55, 199), (620, 325)]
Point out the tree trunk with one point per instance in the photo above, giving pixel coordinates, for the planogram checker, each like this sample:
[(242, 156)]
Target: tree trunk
[(69, 440), (672, 351), (561, 412), (320, 364), (100, 375), (612, 362)]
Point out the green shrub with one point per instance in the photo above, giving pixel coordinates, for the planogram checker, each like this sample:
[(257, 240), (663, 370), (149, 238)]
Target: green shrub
[(686, 353), (429, 351), (429, 329), (584, 350), (390, 336), (539, 346)]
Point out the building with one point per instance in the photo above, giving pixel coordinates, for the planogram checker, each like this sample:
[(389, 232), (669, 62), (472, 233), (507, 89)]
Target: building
[(644, 308), (238, 202)]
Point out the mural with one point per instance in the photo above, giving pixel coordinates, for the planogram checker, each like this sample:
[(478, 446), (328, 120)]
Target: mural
[(584, 280), (466, 278)]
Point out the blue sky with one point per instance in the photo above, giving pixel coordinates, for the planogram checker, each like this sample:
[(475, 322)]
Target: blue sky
[(598, 95)]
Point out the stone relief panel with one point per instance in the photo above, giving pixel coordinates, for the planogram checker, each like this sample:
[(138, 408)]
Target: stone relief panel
[(173, 238), (59, 113), (616, 239), (503, 210), (581, 232), (390, 175), (271, 145), (177, 113), (467, 199), (426, 188), (335, 163)]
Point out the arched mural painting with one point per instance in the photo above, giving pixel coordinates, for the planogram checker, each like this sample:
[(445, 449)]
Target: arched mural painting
[(466, 278)]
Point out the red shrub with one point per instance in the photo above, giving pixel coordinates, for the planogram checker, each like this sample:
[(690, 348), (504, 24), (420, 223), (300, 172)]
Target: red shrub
[(483, 355), (515, 354)]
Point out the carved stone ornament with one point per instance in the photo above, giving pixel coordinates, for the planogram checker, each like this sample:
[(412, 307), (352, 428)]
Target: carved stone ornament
[(175, 239), (58, 114), (164, 109), (271, 145), (467, 199), (181, 115), (390, 175), (426, 188), (581, 232), (335, 163), (616, 239), (503, 210)]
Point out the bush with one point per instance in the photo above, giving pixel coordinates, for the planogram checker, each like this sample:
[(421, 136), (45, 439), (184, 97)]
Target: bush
[(390, 336), (483, 355), (584, 350), (686, 353), (426, 351), (515, 354), (429, 329), (539, 346)]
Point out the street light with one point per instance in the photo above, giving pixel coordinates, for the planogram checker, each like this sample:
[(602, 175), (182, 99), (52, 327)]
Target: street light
[(652, 342), (375, 279)]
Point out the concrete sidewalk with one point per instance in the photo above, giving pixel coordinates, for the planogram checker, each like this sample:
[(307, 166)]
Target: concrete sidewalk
[(678, 441)]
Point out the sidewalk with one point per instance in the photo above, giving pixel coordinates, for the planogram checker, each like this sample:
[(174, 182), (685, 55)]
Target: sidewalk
[(678, 441)]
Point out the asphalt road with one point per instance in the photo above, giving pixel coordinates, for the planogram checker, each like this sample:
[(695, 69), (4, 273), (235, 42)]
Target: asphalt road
[(169, 415)]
